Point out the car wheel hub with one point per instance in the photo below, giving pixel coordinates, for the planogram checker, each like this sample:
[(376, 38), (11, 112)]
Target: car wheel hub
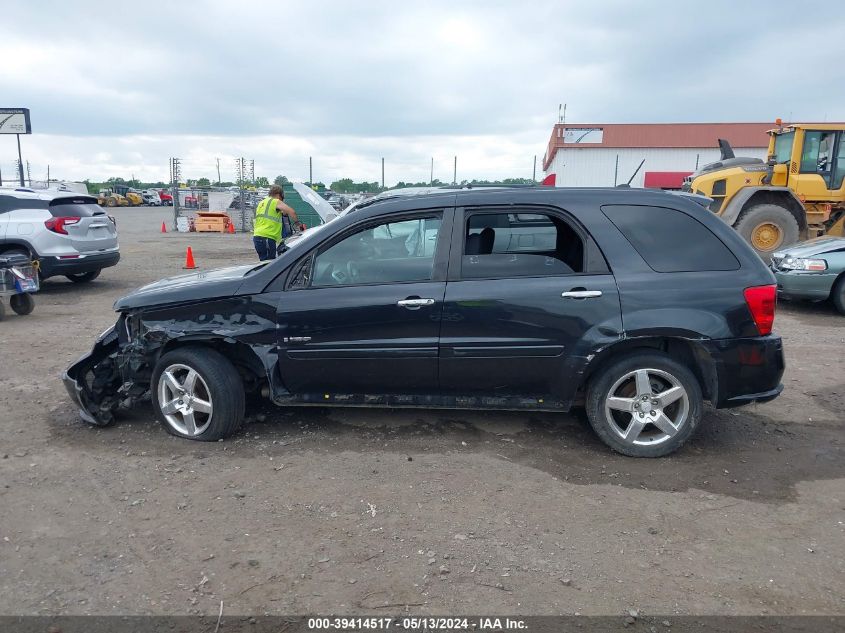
[(646, 407), (185, 400)]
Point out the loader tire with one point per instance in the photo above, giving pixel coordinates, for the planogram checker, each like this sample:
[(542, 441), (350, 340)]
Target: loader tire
[(767, 227)]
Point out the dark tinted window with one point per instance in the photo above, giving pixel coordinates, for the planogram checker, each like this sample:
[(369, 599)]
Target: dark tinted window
[(520, 245), (11, 203), (671, 241), (81, 207)]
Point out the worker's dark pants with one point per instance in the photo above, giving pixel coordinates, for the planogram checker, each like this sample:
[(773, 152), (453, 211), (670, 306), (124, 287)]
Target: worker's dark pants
[(265, 247)]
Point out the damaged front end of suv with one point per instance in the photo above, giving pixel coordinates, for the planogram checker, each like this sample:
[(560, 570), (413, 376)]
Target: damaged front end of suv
[(94, 381), (202, 310)]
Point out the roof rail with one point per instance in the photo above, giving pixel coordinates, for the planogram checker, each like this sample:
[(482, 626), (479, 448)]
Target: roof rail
[(492, 185)]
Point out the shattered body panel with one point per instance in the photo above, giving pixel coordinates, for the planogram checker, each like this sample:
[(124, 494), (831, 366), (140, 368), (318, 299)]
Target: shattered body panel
[(117, 371)]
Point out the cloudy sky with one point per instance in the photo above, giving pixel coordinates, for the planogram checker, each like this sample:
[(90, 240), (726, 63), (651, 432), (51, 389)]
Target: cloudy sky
[(116, 88)]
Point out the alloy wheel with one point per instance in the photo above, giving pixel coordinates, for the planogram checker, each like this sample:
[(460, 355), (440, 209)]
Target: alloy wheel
[(185, 400), (646, 407)]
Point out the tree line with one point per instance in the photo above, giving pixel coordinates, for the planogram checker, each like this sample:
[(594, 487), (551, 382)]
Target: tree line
[(343, 185)]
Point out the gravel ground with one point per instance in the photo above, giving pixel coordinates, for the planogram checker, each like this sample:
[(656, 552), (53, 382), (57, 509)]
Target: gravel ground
[(391, 512)]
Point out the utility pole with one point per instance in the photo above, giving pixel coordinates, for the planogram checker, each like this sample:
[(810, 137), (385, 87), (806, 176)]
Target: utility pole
[(616, 171), (28, 174), (455, 172), (175, 177), (218, 172), (534, 175), (310, 171), (431, 179), (48, 176), (20, 161), (382, 172), (240, 167)]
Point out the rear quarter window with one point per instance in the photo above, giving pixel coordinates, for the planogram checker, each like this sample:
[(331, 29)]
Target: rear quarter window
[(12, 203), (670, 241)]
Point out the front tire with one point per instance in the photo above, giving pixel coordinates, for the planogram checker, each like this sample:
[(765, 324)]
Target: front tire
[(644, 405), (767, 227), (198, 394), (84, 278), (838, 294)]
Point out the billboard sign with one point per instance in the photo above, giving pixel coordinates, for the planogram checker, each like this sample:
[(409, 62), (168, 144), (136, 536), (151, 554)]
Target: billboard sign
[(582, 135), (15, 121)]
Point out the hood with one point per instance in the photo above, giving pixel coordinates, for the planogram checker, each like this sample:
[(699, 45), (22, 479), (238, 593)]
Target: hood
[(211, 284), (318, 203), (812, 247)]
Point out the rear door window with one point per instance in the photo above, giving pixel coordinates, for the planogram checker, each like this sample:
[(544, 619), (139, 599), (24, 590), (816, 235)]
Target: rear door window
[(670, 241), (530, 244), (12, 203)]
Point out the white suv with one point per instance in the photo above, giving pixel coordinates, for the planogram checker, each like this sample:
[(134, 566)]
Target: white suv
[(69, 233)]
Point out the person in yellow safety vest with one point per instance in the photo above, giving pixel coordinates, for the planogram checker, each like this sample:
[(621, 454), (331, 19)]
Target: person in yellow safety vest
[(269, 217)]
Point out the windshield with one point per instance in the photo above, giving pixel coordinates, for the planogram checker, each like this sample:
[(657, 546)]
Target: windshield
[(783, 147)]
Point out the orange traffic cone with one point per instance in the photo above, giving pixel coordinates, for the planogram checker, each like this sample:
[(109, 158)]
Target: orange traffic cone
[(163, 227), (189, 259), (231, 228)]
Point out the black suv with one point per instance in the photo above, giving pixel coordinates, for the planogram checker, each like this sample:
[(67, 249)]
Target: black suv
[(637, 304)]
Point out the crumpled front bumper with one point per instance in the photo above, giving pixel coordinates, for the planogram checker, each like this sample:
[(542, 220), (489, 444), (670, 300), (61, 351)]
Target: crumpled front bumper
[(93, 381)]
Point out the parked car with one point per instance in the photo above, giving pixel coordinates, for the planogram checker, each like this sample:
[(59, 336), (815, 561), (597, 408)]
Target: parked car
[(68, 233), (814, 269), (151, 197), (638, 305)]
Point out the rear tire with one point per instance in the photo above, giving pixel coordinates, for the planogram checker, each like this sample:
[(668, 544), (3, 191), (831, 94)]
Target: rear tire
[(838, 294), (198, 394), (645, 404), (111, 202), (22, 304), (84, 278), (767, 227)]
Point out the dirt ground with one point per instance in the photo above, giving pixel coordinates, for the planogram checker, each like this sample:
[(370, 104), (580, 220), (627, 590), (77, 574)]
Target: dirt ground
[(392, 512)]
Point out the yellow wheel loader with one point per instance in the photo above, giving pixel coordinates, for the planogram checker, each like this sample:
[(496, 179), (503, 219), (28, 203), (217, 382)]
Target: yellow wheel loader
[(798, 193), (134, 198), (108, 198)]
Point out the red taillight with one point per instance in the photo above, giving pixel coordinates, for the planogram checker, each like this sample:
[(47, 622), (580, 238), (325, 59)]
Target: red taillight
[(761, 301), (57, 225)]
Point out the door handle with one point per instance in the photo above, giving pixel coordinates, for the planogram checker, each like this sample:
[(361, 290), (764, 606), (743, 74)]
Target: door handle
[(415, 304), (581, 294), (297, 339)]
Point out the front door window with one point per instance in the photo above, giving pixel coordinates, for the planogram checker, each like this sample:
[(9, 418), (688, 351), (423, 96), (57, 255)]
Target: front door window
[(390, 252)]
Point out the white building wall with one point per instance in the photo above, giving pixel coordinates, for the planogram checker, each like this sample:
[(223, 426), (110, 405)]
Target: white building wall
[(594, 166)]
